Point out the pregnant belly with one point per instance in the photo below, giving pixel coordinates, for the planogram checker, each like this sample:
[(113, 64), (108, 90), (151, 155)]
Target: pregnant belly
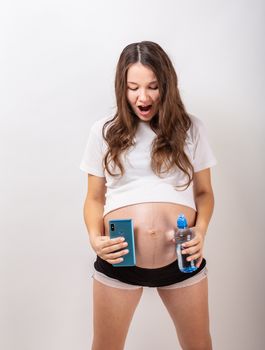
[(154, 225)]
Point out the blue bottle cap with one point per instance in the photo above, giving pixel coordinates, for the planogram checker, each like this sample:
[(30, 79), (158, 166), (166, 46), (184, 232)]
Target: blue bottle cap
[(182, 221)]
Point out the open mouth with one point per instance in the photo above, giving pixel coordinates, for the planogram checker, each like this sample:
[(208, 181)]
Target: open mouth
[(145, 108)]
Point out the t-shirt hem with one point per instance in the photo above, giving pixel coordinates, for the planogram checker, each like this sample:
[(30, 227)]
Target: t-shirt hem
[(205, 166), (90, 170), (109, 209)]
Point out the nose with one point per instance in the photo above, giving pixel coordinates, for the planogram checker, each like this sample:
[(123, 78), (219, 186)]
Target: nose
[(143, 96)]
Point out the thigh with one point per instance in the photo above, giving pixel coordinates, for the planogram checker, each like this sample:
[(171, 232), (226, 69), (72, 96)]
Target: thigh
[(188, 308), (113, 310)]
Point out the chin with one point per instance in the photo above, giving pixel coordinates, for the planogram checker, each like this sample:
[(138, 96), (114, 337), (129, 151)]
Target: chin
[(145, 117)]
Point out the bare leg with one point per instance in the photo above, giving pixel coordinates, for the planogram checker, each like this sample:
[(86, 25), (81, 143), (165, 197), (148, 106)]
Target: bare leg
[(188, 308), (113, 312)]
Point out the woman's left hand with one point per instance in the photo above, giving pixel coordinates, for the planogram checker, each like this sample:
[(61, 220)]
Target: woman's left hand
[(194, 247)]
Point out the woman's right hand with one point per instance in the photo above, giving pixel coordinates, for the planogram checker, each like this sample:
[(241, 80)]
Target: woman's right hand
[(106, 248)]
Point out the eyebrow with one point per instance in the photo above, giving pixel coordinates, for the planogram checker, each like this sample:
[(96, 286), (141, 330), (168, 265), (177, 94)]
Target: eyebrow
[(151, 82)]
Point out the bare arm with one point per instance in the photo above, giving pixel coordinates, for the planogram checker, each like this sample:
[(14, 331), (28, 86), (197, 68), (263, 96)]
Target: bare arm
[(93, 215), (93, 206), (204, 200)]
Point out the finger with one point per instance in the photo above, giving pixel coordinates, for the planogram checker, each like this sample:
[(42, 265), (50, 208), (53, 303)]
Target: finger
[(117, 255), (114, 247), (199, 261), (192, 250), (114, 261), (193, 241), (111, 241), (116, 258), (193, 257), (117, 239)]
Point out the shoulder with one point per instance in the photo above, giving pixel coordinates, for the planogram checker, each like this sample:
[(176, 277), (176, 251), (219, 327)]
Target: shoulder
[(196, 128), (196, 123), (97, 126)]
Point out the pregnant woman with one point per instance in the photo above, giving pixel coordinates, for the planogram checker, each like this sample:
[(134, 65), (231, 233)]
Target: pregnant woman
[(150, 162)]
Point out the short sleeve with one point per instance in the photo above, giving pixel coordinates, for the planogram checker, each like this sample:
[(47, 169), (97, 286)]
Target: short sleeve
[(91, 162), (202, 153)]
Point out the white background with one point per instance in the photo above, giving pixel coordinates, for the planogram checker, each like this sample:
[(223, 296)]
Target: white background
[(57, 62)]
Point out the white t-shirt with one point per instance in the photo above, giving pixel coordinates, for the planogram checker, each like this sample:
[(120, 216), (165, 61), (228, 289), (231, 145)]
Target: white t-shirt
[(139, 183)]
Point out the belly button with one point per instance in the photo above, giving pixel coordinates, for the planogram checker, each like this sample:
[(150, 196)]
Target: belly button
[(152, 232)]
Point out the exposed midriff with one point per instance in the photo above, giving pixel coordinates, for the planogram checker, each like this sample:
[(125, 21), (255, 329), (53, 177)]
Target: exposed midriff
[(154, 224)]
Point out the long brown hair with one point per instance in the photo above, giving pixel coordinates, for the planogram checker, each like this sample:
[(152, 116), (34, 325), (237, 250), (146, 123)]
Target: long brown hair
[(170, 124)]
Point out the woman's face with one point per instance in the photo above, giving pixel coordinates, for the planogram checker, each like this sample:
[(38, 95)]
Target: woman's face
[(142, 91)]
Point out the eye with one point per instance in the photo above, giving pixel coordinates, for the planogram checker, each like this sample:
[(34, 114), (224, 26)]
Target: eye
[(153, 88), (132, 89)]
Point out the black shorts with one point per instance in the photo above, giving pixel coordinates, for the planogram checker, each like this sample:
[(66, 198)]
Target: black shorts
[(135, 275)]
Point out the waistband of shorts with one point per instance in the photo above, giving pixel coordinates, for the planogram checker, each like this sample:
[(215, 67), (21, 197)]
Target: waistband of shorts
[(114, 283), (135, 275)]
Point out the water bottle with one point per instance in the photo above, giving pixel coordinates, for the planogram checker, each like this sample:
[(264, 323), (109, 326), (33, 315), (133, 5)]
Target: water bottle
[(182, 235)]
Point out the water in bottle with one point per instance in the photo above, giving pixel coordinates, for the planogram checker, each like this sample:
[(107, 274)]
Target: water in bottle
[(182, 235)]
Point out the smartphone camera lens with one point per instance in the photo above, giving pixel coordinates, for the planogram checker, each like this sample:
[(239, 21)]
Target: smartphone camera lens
[(112, 227)]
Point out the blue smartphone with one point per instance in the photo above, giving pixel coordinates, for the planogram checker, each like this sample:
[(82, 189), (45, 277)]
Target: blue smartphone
[(124, 228)]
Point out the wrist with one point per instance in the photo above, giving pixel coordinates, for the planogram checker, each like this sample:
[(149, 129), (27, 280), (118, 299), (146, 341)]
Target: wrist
[(93, 238), (202, 228)]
